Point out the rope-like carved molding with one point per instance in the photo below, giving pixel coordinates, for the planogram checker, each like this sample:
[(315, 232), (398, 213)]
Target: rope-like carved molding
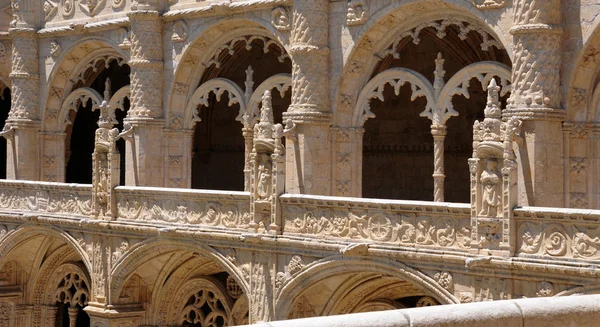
[(248, 39), (217, 86), (281, 82), (464, 26), (224, 8), (396, 77), (107, 59)]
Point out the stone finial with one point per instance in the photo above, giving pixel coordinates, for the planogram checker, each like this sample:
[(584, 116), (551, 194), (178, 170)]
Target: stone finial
[(439, 73), (492, 110), (107, 86), (249, 83), (266, 114)]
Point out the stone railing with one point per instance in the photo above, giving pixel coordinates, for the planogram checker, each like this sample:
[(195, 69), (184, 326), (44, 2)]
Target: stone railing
[(403, 223), (226, 209), (558, 233), (46, 198)]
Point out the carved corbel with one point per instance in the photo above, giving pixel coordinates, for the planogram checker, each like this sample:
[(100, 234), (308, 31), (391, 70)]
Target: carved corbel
[(8, 132)]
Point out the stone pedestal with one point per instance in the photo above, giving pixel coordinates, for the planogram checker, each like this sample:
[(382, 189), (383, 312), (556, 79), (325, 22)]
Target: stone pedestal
[(113, 316)]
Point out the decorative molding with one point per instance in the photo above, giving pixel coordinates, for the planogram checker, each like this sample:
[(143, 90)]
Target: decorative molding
[(230, 48)]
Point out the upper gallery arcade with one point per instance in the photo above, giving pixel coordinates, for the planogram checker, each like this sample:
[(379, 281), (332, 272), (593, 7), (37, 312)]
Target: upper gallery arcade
[(379, 98)]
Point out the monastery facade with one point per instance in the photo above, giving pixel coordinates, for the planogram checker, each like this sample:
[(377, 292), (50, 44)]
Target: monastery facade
[(226, 162)]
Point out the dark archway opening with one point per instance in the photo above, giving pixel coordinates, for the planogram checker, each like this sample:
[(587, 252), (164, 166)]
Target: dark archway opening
[(218, 144), (62, 316), (81, 134), (398, 145), (4, 110)]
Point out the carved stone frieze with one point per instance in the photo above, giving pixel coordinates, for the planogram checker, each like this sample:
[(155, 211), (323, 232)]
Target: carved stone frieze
[(211, 209), (46, 197), (398, 225)]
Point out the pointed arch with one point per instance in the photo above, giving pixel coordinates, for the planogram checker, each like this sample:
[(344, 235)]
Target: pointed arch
[(395, 77), (80, 97), (280, 82), (218, 87), (293, 288), (144, 251)]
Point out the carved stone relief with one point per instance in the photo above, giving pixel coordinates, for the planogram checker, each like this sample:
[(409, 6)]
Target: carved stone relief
[(280, 18), (358, 12)]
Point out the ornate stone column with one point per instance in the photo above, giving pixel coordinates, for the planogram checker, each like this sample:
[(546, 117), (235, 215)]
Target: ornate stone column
[(535, 99), (308, 157), (439, 134), (22, 125), (144, 150)]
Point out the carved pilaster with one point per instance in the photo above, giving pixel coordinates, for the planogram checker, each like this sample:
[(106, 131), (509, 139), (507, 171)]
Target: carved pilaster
[(535, 99), (262, 278), (144, 149), (22, 124), (537, 55), (146, 64), (346, 149), (308, 156)]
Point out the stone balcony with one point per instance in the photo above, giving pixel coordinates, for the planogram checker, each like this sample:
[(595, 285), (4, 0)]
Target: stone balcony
[(568, 237)]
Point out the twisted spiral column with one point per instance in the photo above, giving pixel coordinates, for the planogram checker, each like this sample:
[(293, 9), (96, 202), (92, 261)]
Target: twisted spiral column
[(439, 134)]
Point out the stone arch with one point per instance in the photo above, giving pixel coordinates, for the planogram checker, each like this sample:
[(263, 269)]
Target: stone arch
[(71, 63), (583, 92), (75, 99), (117, 99), (144, 251), (20, 235), (391, 21), (396, 77), (293, 288), (217, 86), (280, 82), (205, 42)]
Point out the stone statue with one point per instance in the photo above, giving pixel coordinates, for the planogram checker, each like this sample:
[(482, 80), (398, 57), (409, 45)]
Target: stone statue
[(491, 199), (263, 188)]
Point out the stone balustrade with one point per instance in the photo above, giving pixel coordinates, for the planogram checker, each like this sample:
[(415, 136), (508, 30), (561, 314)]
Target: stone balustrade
[(403, 223), (46, 198)]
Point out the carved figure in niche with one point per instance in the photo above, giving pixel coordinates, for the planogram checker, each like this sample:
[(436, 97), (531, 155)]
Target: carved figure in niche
[(102, 187), (263, 189), (491, 200)]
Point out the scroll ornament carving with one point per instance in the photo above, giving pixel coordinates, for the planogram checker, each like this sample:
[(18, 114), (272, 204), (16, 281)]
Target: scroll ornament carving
[(280, 18), (406, 229), (117, 4), (358, 12), (488, 4), (120, 250), (50, 9), (67, 8), (62, 200), (444, 279), (91, 7), (180, 210)]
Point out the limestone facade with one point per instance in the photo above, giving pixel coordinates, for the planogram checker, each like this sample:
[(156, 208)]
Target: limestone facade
[(219, 163)]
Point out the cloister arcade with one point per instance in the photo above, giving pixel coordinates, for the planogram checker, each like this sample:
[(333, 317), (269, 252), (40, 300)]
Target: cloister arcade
[(206, 164)]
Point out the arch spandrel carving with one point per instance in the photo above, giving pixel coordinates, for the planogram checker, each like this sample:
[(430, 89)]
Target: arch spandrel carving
[(144, 251), (360, 61), (203, 44), (292, 289), (72, 63)]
